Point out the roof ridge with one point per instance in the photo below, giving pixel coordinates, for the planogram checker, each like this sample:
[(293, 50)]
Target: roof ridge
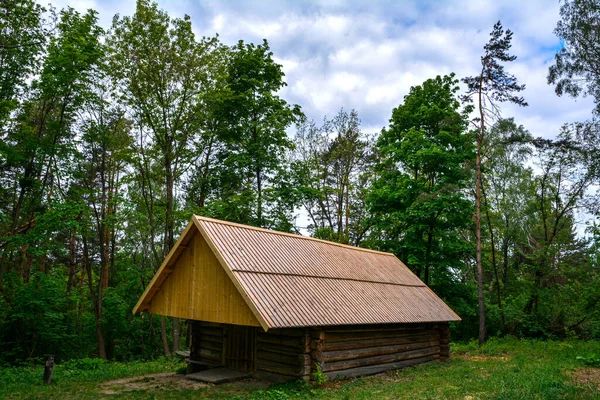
[(293, 235), (328, 277)]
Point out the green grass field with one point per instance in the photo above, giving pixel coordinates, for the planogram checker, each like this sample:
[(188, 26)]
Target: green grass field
[(502, 369)]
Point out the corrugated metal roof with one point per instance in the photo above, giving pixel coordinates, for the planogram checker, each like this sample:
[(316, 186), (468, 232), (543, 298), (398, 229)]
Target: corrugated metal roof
[(294, 280)]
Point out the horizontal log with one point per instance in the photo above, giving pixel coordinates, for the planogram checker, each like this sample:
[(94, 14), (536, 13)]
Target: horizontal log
[(284, 369), (375, 369), (347, 336), (209, 354), (379, 327), (209, 344), (357, 344), (384, 359), (292, 332), (293, 360), (206, 330), (293, 343), (329, 356), (290, 351)]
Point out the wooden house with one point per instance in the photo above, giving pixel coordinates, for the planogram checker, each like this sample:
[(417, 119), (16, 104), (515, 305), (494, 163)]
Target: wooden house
[(278, 305)]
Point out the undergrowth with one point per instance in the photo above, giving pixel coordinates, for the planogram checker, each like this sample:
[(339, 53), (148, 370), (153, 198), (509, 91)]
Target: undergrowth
[(507, 368)]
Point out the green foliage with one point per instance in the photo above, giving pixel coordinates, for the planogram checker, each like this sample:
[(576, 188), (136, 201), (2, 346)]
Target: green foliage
[(574, 71), (332, 170), (319, 377), (251, 171), (24, 30), (418, 197), (591, 359)]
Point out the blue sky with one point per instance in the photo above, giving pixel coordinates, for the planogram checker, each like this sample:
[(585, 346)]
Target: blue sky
[(367, 54)]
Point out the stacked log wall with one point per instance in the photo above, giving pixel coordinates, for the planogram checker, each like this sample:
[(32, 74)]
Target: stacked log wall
[(207, 342), (283, 354), (343, 352), (444, 341)]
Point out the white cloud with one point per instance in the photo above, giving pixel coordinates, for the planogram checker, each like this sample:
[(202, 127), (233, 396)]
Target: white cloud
[(367, 55)]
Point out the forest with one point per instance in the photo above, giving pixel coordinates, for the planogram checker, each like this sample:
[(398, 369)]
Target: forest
[(110, 139)]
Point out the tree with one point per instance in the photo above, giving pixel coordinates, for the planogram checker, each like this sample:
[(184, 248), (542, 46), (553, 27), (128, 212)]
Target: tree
[(506, 193), (493, 85), (254, 140), (418, 197), (106, 144), (39, 143), (332, 165), (576, 68), (161, 70), (24, 31)]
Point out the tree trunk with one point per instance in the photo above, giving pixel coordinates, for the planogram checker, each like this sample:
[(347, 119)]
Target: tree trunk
[(494, 261), (478, 260), (100, 331), (163, 336), (480, 298), (72, 260), (176, 334)]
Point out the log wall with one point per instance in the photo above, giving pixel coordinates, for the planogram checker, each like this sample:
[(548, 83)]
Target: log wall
[(339, 351), (349, 351), (283, 354), (207, 342)]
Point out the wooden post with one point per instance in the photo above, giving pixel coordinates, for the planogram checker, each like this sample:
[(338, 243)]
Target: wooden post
[(48, 369), (444, 342), (316, 345)]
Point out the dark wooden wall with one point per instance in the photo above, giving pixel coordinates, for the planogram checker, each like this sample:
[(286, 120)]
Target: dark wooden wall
[(339, 351), (349, 351), (207, 342), (283, 354)]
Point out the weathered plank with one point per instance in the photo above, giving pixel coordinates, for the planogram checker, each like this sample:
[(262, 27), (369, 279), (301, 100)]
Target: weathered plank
[(349, 336), (291, 351), (284, 369), (383, 359), (210, 344), (209, 354), (357, 344), (329, 356), (375, 369), (295, 343), (289, 359)]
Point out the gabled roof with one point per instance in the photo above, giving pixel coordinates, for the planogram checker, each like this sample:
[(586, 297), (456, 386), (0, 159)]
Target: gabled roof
[(290, 280)]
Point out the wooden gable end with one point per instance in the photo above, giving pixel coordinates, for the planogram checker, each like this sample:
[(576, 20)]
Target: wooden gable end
[(198, 288)]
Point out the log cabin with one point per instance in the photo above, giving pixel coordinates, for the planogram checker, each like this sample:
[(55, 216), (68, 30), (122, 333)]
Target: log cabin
[(282, 306)]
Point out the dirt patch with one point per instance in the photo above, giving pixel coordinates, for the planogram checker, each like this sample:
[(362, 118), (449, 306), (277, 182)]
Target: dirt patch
[(164, 381), (587, 377)]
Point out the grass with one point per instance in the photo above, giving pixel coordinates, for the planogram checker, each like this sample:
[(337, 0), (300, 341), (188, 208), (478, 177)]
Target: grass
[(502, 369)]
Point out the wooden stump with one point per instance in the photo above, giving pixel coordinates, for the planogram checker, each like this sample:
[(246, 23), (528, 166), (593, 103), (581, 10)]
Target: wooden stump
[(48, 369)]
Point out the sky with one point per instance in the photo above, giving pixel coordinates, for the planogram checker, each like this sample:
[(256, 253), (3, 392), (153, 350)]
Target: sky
[(365, 55)]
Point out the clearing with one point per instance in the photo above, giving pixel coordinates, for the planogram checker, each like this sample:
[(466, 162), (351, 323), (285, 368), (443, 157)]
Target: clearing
[(502, 369)]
